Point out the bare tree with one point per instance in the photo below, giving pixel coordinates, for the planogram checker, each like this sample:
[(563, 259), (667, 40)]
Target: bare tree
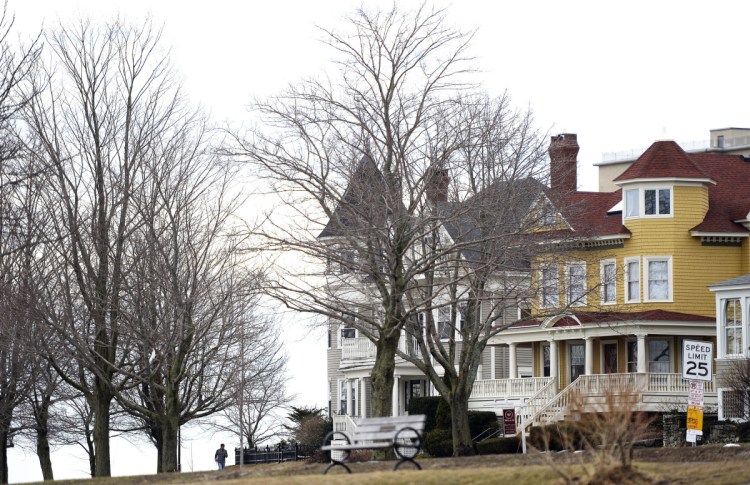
[(736, 380), (107, 96), (191, 290), (476, 256), (354, 151), (261, 394)]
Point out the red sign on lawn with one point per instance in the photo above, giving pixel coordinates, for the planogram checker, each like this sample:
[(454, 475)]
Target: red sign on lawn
[(509, 422)]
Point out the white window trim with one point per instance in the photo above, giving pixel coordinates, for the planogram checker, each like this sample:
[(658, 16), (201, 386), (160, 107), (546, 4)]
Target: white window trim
[(341, 337), (743, 324), (581, 301), (602, 293), (555, 269), (644, 279), (642, 197), (625, 204), (642, 202), (522, 305), (628, 299)]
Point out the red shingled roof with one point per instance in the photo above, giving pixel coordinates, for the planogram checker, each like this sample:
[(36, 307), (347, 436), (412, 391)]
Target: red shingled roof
[(598, 318), (729, 199), (663, 159), (586, 212)]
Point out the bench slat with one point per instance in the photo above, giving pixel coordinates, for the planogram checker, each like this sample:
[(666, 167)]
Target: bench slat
[(356, 446), (416, 419)]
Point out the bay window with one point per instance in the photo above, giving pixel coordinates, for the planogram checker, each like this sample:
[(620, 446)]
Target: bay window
[(655, 202)]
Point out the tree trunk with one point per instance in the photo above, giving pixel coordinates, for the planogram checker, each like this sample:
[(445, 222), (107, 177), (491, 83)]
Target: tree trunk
[(101, 430), (382, 376), (43, 452), (168, 452), (462, 442), (4, 452)]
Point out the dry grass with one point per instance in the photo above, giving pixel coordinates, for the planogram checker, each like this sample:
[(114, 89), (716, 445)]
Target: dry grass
[(712, 465)]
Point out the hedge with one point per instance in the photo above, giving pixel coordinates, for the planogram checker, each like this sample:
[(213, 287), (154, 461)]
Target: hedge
[(427, 406), (439, 443), (496, 446)]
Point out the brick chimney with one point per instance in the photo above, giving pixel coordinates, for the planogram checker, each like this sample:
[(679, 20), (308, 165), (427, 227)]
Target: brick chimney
[(563, 156), (437, 185)]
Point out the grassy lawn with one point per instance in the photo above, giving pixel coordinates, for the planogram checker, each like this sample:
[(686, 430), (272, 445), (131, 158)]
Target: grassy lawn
[(712, 465)]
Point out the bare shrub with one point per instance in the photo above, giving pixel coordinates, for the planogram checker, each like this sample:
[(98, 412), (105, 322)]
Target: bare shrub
[(606, 425)]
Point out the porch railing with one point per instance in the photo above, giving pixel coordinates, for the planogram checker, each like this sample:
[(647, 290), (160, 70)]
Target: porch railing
[(600, 384), (344, 424), (674, 384), (361, 348), (508, 388), (537, 401)]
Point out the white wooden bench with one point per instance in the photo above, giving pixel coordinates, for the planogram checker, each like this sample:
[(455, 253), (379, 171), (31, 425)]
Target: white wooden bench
[(402, 433)]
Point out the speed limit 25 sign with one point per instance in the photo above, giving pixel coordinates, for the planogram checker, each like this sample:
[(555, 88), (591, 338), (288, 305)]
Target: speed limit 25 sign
[(697, 360)]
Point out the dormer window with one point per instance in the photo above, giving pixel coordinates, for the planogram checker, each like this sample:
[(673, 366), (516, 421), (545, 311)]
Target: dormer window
[(656, 202)]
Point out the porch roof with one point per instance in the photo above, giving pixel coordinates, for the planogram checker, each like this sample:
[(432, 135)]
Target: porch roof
[(574, 319)]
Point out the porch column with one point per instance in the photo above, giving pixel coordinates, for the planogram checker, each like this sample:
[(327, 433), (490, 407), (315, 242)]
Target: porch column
[(492, 362), (357, 396), (589, 369), (641, 353), (349, 409), (394, 398), (363, 395), (513, 361), (553, 361)]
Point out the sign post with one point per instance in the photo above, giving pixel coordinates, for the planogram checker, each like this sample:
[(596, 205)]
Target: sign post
[(697, 367)]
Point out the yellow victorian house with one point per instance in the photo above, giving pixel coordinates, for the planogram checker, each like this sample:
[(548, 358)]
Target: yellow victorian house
[(629, 280)]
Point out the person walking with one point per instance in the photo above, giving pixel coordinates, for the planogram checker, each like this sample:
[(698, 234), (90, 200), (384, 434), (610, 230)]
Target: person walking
[(220, 457)]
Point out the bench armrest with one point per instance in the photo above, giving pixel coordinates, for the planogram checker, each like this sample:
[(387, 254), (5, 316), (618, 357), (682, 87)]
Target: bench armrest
[(332, 436), (407, 443)]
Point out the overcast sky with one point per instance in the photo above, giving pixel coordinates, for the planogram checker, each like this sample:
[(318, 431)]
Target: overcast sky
[(619, 74)]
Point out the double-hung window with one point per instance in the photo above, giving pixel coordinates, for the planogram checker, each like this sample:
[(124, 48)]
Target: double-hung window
[(608, 277), (549, 289), (576, 281), (444, 322), (632, 280), (658, 279), (732, 327)]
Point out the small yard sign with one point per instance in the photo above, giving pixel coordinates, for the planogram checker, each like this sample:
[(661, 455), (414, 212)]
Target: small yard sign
[(509, 422), (695, 417), (697, 360), (695, 392)]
